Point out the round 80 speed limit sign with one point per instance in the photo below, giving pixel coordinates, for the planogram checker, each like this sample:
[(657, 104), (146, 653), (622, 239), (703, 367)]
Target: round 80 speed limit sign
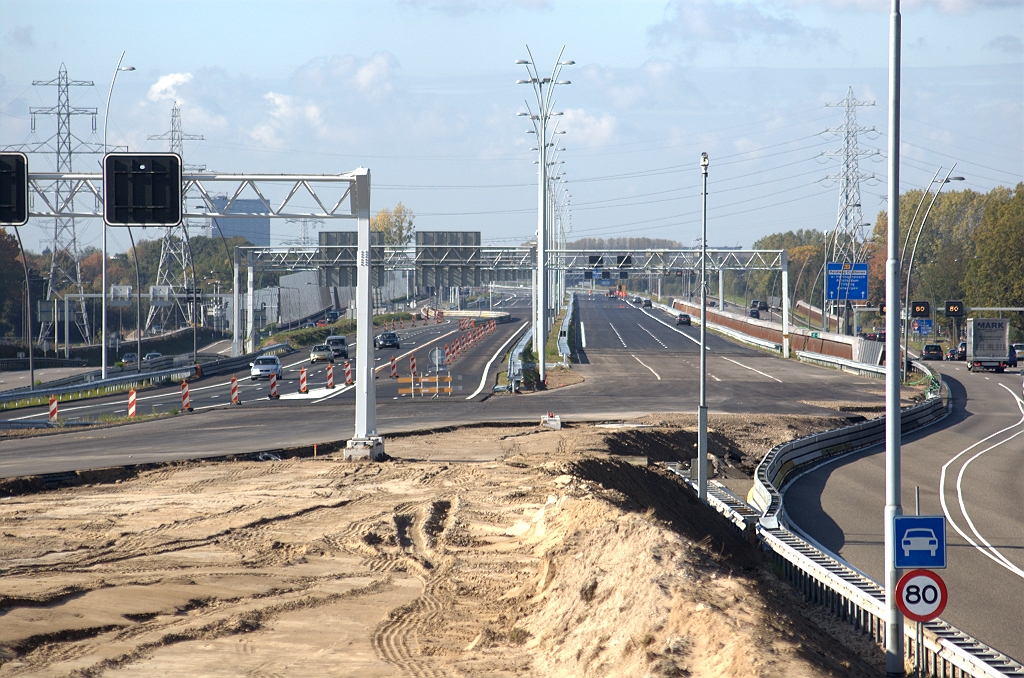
[(921, 595)]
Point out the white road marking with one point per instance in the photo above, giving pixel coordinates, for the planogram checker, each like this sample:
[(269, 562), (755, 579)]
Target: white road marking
[(989, 551), (674, 329), (483, 377), (647, 366), (617, 335), (714, 377), (652, 336), (751, 369)]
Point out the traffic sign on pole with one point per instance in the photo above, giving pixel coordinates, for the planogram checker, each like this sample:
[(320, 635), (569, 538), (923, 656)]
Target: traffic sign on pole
[(14, 201), (921, 595), (920, 542)]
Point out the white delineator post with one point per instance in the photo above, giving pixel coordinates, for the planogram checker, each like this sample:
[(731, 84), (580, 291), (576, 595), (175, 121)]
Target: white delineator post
[(894, 665), (702, 408), (366, 442), (236, 337)]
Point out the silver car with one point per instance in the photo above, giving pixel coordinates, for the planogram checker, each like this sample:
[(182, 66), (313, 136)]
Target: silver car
[(265, 366), (321, 353)]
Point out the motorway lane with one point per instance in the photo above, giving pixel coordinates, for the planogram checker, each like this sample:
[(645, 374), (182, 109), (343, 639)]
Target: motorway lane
[(981, 447), (214, 391)]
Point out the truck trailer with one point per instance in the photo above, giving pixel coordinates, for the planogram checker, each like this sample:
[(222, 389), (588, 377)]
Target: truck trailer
[(988, 344)]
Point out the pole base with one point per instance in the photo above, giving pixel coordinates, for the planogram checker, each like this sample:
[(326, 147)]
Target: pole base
[(371, 448)]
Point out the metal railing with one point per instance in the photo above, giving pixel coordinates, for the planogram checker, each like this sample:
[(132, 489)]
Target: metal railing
[(822, 577), (515, 359)]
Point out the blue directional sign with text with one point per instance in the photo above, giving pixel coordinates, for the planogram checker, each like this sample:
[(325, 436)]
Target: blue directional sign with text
[(920, 542), (847, 281)]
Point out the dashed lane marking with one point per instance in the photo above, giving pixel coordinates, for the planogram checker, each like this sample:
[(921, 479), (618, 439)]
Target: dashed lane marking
[(751, 369), (617, 335), (652, 335)]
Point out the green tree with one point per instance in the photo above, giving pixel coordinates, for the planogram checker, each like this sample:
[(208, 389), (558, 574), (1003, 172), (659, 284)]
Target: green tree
[(12, 285), (396, 225), (995, 275)]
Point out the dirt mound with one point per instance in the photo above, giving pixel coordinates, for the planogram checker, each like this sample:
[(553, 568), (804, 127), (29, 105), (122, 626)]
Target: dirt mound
[(511, 551)]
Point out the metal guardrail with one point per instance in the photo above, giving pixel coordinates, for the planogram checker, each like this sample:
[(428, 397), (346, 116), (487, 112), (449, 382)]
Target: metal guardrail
[(563, 333), (826, 580), (131, 380), (17, 364), (94, 389), (515, 359), (727, 331), (861, 369)]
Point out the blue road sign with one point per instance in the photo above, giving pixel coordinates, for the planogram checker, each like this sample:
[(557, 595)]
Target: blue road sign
[(847, 281), (920, 542), (921, 326)]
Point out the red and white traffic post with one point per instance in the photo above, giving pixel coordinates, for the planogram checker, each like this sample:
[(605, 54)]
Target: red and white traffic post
[(234, 391), (302, 380), (394, 368), (53, 410), (186, 402), (131, 404), (273, 386), (412, 365), (330, 375), (348, 373), (447, 355)]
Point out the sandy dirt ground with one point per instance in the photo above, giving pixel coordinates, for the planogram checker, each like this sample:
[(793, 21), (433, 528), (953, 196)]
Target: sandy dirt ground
[(487, 551)]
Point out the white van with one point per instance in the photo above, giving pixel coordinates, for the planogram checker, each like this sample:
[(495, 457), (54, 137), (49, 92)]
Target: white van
[(339, 346)]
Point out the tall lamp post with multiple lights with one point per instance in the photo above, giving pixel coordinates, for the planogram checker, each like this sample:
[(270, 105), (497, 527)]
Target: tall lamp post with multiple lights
[(702, 408), (138, 330), (543, 88)]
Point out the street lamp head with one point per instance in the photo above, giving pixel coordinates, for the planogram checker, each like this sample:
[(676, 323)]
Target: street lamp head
[(525, 115), (954, 179), (564, 82), (127, 68), (570, 62), (704, 160), (561, 131), (525, 82), (522, 62), (556, 113)]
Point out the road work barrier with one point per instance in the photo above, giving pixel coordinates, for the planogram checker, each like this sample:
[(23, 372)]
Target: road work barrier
[(330, 375), (394, 368), (412, 364), (273, 387), (186, 401), (131, 404), (348, 373), (53, 410), (436, 385), (447, 355), (820, 576), (302, 380), (234, 391)]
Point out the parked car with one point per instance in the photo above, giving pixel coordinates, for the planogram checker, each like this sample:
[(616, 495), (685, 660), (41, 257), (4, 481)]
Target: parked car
[(130, 358), (339, 346), (152, 355), (951, 353), (264, 366), (386, 340), (647, 303), (961, 351), (931, 352), (682, 319), (321, 352), (754, 313)]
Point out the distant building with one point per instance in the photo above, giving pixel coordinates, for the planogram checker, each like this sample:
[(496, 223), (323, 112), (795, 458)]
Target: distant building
[(254, 229)]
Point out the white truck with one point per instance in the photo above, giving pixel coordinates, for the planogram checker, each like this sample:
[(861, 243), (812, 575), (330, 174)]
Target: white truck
[(988, 344)]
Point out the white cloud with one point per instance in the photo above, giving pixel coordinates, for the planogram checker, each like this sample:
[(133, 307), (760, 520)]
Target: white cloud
[(166, 87), (586, 129), (694, 23), (372, 77), (287, 115)]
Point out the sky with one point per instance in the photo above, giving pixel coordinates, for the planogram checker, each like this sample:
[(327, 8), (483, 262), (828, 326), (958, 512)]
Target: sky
[(423, 93)]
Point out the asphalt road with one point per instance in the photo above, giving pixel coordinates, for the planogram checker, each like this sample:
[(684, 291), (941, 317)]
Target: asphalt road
[(213, 392), (970, 468)]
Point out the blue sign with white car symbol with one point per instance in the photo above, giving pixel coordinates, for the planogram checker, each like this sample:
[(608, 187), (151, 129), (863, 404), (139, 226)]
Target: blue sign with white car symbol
[(920, 542)]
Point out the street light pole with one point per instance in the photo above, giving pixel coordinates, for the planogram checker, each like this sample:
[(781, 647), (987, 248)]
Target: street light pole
[(543, 89), (103, 314), (702, 408), (894, 618), (910, 267)]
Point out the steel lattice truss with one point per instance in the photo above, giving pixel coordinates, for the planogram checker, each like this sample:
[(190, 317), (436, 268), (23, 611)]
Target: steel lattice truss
[(298, 187), (512, 258)]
